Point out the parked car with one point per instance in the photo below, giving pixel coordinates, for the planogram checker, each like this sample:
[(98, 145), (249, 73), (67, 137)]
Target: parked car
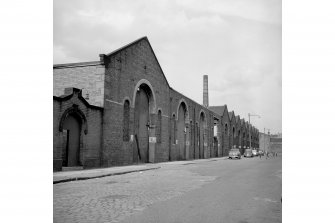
[(261, 152), (248, 153), (254, 152), (234, 153)]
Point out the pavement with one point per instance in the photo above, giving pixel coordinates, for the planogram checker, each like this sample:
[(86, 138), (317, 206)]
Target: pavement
[(76, 175), (208, 190), (66, 176)]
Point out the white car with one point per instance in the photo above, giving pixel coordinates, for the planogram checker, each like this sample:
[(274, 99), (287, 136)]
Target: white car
[(234, 153), (254, 152)]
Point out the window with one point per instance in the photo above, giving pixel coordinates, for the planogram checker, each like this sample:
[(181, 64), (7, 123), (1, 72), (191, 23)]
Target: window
[(159, 126), (191, 133), (226, 129), (196, 134), (126, 111), (174, 129)]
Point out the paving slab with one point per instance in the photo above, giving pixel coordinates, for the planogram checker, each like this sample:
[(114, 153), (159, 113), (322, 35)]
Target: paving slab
[(66, 176)]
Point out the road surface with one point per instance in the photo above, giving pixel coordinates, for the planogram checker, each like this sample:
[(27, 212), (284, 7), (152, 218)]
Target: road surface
[(214, 190)]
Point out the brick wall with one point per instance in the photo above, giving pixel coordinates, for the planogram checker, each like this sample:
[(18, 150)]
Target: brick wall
[(90, 78), (90, 146), (226, 133), (110, 84), (194, 116), (124, 70)]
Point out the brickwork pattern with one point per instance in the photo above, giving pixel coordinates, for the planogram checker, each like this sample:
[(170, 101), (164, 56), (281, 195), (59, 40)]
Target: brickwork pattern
[(124, 70), (88, 78), (226, 132), (90, 147), (115, 81)]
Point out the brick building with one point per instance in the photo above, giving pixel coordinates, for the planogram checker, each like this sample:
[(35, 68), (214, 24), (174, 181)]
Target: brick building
[(121, 110)]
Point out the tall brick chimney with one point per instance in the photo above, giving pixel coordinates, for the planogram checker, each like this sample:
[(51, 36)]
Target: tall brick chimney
[(205, 94)]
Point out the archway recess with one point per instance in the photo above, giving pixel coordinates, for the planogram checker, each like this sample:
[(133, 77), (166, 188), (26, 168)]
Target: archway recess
[(144, 105)]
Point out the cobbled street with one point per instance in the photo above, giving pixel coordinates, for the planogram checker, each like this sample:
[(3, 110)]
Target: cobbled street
[(213, 190)]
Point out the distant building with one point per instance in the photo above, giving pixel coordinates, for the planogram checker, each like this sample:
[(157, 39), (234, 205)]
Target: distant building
[(270, 143)]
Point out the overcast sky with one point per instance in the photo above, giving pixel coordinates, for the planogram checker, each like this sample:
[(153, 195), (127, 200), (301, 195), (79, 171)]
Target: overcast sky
[(237, 43)]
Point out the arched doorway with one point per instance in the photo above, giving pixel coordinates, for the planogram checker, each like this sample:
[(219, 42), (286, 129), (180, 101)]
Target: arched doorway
[(216, 148), (143, 101), (181, 131), (70, 155), (202, 135)]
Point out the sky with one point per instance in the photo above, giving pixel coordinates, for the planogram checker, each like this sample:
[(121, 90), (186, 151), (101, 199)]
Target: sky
[(237, 43)]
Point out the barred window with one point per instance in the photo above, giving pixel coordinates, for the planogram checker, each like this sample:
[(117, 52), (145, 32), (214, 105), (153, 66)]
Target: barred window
[(159, 126), (126, 111)]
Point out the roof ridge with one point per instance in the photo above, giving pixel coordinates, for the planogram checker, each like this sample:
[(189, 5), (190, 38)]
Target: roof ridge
[(127, 45)]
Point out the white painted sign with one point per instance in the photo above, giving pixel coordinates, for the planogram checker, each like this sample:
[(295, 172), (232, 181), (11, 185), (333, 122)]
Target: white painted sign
[(176, 141), (131, 138), (152, 139)]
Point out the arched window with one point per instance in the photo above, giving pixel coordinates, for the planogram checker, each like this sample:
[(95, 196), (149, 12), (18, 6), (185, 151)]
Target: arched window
[(226, 129), (159, 127), (173, 129), (196, 134), (126, 111), (191, 131)]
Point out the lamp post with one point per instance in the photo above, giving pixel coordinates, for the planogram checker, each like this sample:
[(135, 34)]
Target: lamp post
[(250, 127)]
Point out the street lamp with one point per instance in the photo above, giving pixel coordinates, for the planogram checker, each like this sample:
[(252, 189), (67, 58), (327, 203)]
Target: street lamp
[(250, 127)]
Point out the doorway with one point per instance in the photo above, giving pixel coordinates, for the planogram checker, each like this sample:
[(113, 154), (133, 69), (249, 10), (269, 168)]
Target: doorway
[(72, 125)]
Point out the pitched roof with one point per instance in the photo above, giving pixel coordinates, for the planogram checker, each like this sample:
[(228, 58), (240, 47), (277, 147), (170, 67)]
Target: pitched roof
[(217, 109), (230, 114), (133, 43)]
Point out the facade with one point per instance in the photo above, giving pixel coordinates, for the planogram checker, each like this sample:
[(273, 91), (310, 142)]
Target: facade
[(276, 143), (238, 133), (121, 110), (264, 142), (232, 136), (270, 143)]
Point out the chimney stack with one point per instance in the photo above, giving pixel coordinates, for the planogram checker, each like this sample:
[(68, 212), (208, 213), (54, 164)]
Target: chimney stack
[(205, 95)]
